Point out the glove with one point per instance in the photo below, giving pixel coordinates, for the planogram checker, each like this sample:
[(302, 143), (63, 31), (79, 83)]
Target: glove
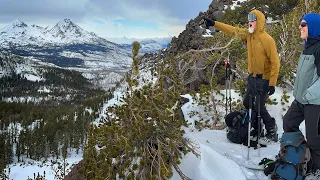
[(268, 164), (271, 90), (209, 22)]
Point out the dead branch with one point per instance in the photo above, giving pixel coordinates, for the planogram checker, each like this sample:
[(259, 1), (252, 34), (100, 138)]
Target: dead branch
[(183, 176)]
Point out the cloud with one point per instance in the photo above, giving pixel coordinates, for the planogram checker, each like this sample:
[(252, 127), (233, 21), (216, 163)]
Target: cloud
[(41, 10), (139, 19), (155, 10)]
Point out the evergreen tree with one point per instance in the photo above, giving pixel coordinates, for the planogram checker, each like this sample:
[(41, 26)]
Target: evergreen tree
[(144, 139)]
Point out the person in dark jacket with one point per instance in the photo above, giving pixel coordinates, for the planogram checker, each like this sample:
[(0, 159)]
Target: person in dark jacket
[(263, 60), (306, 105)]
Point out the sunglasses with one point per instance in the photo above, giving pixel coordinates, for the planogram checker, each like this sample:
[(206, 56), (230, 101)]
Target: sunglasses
[(303, 24), (252, 17)]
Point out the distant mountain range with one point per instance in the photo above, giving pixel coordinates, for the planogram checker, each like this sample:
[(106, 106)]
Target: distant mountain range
[(67, 45), (148, 45), (64, 32)]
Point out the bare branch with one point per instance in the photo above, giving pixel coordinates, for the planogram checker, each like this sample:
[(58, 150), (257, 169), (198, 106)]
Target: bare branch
[(212, 48), (183, 176)]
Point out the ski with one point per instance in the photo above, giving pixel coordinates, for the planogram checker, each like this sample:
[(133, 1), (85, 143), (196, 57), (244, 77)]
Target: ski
[(254, 167)]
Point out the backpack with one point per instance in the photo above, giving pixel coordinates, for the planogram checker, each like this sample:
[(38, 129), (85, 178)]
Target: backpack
[(292, 161), (237, 123)]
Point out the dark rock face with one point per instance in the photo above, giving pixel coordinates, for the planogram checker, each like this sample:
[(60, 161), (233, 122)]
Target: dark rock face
[(74, 174), (191, 37)]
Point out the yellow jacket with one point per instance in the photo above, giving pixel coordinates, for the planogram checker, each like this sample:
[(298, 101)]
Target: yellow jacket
[(262, 52)]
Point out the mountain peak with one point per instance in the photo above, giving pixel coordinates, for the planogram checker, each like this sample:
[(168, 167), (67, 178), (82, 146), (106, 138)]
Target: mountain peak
[(66, 22), (64, 27), (18, 23)]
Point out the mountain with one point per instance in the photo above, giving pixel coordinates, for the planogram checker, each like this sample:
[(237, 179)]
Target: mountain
[(64, 32), (148, 45), (67, 45)]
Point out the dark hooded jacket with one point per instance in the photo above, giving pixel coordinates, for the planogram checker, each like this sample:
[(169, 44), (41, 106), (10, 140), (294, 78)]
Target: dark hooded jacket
[(263, 57), (307, 84)]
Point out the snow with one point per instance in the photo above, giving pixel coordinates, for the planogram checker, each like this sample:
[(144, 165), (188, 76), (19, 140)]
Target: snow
[(220, 159), (235, 4), (64, 32), (117, 97), (32, 77), (44, 89), (24, 170)]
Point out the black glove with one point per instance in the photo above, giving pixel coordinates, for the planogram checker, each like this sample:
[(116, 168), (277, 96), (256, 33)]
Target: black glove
[(209, 22), (271, 90), (268, 164)]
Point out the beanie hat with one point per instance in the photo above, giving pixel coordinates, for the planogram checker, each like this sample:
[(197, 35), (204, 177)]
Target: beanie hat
[(313, 21)]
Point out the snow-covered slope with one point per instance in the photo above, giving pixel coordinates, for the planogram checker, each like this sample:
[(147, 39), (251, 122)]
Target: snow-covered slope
[(220, 158)]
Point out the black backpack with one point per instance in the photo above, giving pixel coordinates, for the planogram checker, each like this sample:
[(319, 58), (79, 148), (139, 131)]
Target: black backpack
[(237, 123)]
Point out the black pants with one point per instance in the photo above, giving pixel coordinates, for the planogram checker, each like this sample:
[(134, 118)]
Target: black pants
[(251, 90), (311, 114)]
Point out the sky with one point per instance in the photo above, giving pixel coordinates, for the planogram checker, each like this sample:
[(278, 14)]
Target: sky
[(133, 19)]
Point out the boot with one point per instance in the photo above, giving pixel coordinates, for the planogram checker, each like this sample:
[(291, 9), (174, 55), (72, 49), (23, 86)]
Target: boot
[(272, 133)]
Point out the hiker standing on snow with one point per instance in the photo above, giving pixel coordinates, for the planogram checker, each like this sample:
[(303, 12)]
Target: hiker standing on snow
[(262, 59), (306, 105)]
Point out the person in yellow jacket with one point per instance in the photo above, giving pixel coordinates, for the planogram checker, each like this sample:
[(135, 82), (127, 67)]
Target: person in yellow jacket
[(263, 60)]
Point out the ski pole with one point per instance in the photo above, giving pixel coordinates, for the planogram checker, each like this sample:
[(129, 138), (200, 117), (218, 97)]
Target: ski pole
[(259, 89), (226, 62), (249, 127), (229, 74)]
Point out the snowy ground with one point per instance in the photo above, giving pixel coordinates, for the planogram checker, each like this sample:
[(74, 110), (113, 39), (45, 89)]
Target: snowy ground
[(220, 159), (23, 171)]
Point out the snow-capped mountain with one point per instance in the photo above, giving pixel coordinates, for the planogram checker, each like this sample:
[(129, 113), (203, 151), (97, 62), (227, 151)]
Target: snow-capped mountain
[(64, 32), (66, 45), (148, 45)]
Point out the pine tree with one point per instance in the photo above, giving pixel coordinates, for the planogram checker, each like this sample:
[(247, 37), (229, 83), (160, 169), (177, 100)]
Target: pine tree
[(144, 138)]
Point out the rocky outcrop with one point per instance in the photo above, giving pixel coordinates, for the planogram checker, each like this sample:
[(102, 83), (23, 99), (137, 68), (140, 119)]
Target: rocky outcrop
[(191, 37), (75, 174)]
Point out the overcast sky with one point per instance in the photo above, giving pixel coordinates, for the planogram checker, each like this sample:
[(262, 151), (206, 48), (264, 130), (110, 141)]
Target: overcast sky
[(116, 18)]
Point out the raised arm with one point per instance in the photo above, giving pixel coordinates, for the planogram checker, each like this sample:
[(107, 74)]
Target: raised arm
[(242, 33)]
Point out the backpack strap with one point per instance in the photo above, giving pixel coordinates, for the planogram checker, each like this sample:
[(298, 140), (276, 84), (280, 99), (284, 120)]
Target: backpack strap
[(235, 120), (244, 118)]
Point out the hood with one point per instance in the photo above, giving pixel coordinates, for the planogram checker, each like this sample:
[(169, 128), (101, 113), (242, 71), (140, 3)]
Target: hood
[(313, 21), (261, 20)]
